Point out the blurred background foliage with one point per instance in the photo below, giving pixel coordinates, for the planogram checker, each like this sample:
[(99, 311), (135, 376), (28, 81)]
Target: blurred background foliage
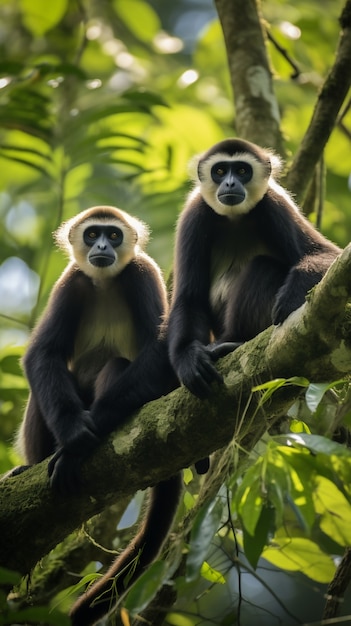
[(105, 102)]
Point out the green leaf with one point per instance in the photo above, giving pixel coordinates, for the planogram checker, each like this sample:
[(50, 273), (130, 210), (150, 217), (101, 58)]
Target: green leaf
[(146, 588), (298, 426), (301, 469), (300, 554), (316, 391), (314, 395), (39, 16), (139, 17), (273, 385), (146, 98), (81, 585), (254, 544), (179, 619), (189, 500), (188, 475), (213, 575), (30, 164), (205, 526), (8, 576), (319, 444), (11, 381), (335, 511), (37, 615), (248, 499)]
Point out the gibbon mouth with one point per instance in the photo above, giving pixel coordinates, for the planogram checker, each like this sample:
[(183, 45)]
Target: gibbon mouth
[(101, 260), (231, 198)]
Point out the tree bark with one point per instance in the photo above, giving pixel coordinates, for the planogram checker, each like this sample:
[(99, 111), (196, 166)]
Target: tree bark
[(329, 103), (337, 587), (257, 111), (174, 431)]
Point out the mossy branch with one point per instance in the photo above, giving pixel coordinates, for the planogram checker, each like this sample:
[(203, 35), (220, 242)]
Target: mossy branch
[(176, 430)]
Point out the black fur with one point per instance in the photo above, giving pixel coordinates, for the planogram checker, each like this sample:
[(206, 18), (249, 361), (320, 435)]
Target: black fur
[(57, 414), (84, 385), (100, 598), (272, 256)]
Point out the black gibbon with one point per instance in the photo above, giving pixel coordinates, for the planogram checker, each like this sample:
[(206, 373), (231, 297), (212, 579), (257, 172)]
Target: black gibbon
[(245, 258), (95, 355), (98, 354)]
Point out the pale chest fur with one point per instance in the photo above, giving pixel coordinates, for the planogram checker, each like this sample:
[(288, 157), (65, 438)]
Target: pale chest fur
[(236, 245), (106, 331)]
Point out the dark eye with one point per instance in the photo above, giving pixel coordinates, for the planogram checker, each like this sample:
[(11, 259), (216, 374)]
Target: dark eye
[(91, 235), (115, 236), (243, 171), (218, 172)]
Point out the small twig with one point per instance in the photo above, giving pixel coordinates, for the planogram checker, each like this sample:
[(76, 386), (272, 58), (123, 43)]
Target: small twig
[(237, 562), (285, 55), (320, 179)]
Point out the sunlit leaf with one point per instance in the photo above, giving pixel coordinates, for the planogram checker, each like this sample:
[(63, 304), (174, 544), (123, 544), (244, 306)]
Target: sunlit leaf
[(10, 381), (188, 475), (31, 164), (300, 554), (188, 500), (80, 585), (335, 511), (179, 619), (211, 574), (249, 497), (318, 444), (140, 18), (298, 426), (272, 386), (39, 15)]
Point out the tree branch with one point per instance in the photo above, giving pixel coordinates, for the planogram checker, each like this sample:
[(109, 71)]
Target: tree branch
[(257, 112), (337, 587), (329, 103), (176, 430)]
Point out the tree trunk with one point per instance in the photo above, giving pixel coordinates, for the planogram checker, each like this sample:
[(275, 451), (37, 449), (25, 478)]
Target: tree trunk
[(257, 112)]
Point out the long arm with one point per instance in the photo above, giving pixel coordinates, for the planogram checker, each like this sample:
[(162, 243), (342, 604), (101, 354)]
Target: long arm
[(306, 253), (124, 387), (46, 360), (190, 317)]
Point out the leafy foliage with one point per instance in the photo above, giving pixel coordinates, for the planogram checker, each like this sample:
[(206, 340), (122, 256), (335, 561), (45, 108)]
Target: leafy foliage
[(104, 103)]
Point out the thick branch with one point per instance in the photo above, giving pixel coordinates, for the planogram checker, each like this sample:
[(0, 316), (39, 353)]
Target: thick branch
[(257, 112), (173, 432), (330, 100), (338, 586)]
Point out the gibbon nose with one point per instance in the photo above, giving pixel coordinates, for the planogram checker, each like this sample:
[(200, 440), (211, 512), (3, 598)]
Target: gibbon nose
[(102, 243), (230, 182)]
